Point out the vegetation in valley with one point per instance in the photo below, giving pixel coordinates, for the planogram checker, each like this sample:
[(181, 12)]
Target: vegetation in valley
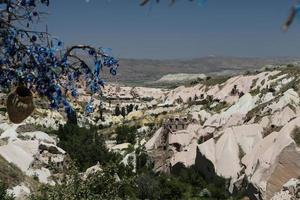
[(126, 134), (3, 192), (85, 146), (210, 81), (115, 180)]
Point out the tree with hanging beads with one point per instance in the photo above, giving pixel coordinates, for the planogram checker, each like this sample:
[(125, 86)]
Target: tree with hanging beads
[(33, 61)]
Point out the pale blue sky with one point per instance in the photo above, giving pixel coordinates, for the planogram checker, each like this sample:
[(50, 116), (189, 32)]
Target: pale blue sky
[(222, 27)]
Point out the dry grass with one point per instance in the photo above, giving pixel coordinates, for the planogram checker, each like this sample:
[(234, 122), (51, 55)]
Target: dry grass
[(10, 174)]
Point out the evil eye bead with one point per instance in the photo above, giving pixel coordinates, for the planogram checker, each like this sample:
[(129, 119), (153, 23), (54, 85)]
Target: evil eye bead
[(113, 71)]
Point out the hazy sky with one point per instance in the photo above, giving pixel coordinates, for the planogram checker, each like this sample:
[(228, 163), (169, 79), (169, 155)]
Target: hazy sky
[(185, 30)]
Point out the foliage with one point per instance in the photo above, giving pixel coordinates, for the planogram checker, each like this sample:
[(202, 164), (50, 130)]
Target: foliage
[(123, 111), (85, 146), (126, 134), (129, 108), (197, 81), (186, 183), (117, 110), (3, 192), (148, 186), (254, 82), (117, 181), (268, 130), (255, 92), (100, 185), (218, 80), (142, 162), (193, 177), (219, 107)]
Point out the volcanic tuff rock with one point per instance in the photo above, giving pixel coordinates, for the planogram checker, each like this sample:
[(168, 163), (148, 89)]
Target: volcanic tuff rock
[(243, 128), (246, 133)]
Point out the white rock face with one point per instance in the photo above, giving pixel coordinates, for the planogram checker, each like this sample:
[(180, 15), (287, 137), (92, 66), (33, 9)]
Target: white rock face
[(9, 132), (155, 140), (20, 192), (232, 138), (180, 77), (274, 160), (144, 92), (92, 170), (283, 195), (282, 117), (289, 97), (23, 150), (222, 137), (43, 175), (49, 119), (237, 110), (242, 106), (187, 157), (120, 147), (225, 152), (115, 91), (184, 93), (290, 191), (40, 136), (21, 153), (182, 138), (130, 159)]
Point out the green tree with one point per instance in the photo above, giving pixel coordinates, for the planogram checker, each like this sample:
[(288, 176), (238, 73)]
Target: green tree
[(102, 185), (117, 110), (85, 146), (3, 192), (123, 111), (126, 134), (148, 186)]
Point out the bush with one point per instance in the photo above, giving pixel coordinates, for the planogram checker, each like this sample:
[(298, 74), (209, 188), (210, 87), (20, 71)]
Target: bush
[(3, 193), (148, 187), (126, 134), (85, 146), (100, 185)]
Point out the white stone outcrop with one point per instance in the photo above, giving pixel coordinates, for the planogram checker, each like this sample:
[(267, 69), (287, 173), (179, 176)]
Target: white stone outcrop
[(274, 160)]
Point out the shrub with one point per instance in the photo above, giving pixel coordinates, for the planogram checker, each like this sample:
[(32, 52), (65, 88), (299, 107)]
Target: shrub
[(3, 192), (216, 80), (126, 134), (100, 185), (85, 146)]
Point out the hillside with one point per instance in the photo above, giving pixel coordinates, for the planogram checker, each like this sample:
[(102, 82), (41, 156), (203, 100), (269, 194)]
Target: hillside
[(237, 136), (141, 71)]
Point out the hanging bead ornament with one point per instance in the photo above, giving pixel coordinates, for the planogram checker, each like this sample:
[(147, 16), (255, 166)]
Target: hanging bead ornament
[(19, 104), (295, 10)]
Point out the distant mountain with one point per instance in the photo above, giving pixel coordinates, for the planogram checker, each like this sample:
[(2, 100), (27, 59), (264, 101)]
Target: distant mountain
[(139, 71)]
